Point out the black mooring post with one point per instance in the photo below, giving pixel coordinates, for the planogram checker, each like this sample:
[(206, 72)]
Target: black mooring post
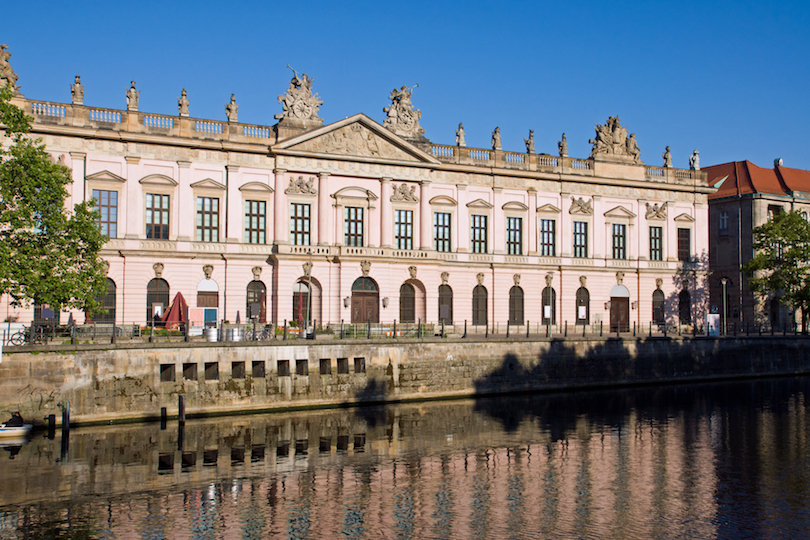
[(507, 329), (369, 329), (112, 338), (566, 329), (601, 329), (465, 328), (486, 330), (181, 409), (285, 330), (634, 328), (583, 328), (341, 328), (395, 330), (651, 328), (181, 437), (442, 328), (528, 325), (73, 334)]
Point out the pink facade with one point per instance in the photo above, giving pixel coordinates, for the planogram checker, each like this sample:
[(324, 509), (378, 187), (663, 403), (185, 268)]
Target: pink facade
[(212, 211)]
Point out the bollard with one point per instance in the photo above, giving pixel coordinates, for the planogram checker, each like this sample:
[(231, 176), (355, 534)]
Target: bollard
[(419, 328), (651, 328), (634, 328), (181, 409), (583, 328), (528, 325), (442, 327), (566, 329), (548, 330), (486, 331), (601, 329), (112, 338), (507, 329), (181, 437), (369, 329), (395, 329), (341, 328), (163, 416), (465, 328), (72, 335), (285, 330)]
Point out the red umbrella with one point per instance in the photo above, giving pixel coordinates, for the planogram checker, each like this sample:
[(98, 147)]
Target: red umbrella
[(177, 312)]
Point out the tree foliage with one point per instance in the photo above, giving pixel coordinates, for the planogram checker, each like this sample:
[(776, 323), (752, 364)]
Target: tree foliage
[(48, 253), (781, 264)]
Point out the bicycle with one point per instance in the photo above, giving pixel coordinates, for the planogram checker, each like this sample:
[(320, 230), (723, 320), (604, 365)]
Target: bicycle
[(263, 334), (21, 337)]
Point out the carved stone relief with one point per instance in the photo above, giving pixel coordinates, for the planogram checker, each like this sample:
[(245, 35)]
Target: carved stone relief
[(307, 266), (302, 186), (516, 279), (480, 277), (208, 270), (299, 102), (354, 140), (581, 206), (158, 268), (549, 279), (365, 266), (613, 144), (402, 118), (412, 271), (582, 281), (658, 283), (619, 278), (656, 212), (257, 272), (404, 193), (445, 277)]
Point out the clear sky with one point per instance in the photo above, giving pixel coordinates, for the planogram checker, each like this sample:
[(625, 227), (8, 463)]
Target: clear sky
[(731, 79)]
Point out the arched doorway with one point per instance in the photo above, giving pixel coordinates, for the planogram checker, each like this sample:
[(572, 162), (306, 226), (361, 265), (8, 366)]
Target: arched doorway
[(658, 307), (685, 307), (549, 302), (583, 306), (157, 292), (445, 304), (479, 306), (305, 307), (207, 293), (515, 305), (365, 301), (107, 302), (619, 309), (257, 294)]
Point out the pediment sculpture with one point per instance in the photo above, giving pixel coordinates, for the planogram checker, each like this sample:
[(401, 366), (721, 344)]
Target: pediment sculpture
[(581, 206), (7, 75), (301, 185), (404, 193), (354, 140), (402, 118), (613, 144), (299, 102), (654, 211)]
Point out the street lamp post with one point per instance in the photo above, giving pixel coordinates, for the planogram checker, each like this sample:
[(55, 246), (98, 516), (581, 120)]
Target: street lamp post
[(724, 283)]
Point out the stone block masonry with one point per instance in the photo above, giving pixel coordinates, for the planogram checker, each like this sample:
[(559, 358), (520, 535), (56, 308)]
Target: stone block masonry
[(134, 382)]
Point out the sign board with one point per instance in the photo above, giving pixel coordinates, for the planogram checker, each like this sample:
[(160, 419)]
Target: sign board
[(157, 309), (47, 313), (255, 310), (582, 313), (444, 311), (546, 312), (713, 324)]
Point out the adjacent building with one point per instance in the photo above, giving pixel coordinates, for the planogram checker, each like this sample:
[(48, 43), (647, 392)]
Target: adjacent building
[(362, 221)]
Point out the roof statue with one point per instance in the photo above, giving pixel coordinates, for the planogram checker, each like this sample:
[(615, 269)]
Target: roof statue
[(667, 155), (232, 110), (77, 91), (530, 142), (496, 139), (402, 118), (132, 98), (563, 146), (613, 144), (460, 136), (7, 75), (183, 103), (694, 160), (299, 102)]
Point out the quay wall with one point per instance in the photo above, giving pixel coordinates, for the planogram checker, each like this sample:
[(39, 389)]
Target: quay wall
[(135, 381)]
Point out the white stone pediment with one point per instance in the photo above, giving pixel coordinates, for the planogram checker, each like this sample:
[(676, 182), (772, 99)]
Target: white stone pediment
[(208, 183), (480, 203), (684, 218), (256, 186), (548, 209), (515, 205), (620, 212), (105, 176), (349, 194), (357, 136), (158, 179), (443, 200)]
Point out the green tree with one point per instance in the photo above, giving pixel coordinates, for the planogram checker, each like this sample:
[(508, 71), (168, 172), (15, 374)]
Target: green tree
[(48, 253), (781, 264)]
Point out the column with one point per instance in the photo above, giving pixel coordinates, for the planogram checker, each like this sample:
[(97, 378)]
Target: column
[(425, 219), (280, 225), (136, 195), (324, 216), (386, 214)]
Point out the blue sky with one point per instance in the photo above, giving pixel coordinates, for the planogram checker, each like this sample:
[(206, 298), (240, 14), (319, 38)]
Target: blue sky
[(728, 78)]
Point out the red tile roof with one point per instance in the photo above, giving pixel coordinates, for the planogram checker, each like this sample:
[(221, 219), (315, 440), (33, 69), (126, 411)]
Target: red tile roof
[(745, 178)]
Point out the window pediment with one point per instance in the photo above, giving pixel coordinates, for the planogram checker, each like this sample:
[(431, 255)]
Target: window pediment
[(443, 200), (105, 176), (354, 196), (620, 212), (548, 209), (684, 218), (208, 183), (480, 204), (515, 206), (256, 186), (159, 180)]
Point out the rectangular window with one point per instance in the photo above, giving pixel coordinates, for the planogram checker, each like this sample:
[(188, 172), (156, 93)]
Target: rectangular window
[(403, 229), (299, 224), (514, 236), (441, 232), (255, 222), (353, 226), (656, 250), (157, 216), (619, 241), (580, 239), (684, 245), (107, 206), (479, 234), (548, 247), (207, 219)]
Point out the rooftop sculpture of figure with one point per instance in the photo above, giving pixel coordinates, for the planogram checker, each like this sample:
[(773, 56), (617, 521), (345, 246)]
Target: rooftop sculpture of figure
[(182, 103), (632, 148), (7, 75), (667, 158), (530, 142), (460, 136), (496, 139), (402, 118), (232, 109), (132, 98), (694, 160), (299, 102), (563, 146), (77, 91)]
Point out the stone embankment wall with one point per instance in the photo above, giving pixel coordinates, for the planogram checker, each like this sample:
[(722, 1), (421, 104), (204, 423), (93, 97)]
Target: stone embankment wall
[(132, 382)]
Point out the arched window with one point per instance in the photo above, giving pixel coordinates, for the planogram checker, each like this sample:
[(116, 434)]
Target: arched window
[(365, 301), (658, 307), (157, 292), (257, 294), (515, 305), (407, 303), (445, 304), (583, 306), (685, 307), (549, 301), (479, 305), (107, 304)]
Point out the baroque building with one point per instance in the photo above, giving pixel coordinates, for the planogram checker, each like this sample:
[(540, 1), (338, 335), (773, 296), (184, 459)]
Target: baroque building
[(377, 221), (746, 197)]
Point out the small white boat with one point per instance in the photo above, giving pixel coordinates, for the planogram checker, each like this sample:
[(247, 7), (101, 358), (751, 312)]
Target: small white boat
[(9, 432)]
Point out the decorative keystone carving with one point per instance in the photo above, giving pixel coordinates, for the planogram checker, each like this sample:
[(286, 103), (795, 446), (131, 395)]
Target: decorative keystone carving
[(658, 283), (549, 279), (106, 266), (299, 102), (208, 270), (232, 110), (656, 212), (132, 98), (403, 193), (445, 277), (257, 272), (516, 279), (480, 277), (77, 91), (307, 266), (302, 186), (582, 281), (365, 266), (7, 75), (613, 144), (619, 278), (182, 103), (581, 206), (412, 271), (158, 268)]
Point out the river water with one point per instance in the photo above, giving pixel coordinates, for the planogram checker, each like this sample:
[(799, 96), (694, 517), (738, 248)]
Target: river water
[(724, 460)]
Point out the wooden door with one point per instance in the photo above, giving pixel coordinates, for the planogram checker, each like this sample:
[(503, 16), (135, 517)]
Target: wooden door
[(365, 307), (619, 314)]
